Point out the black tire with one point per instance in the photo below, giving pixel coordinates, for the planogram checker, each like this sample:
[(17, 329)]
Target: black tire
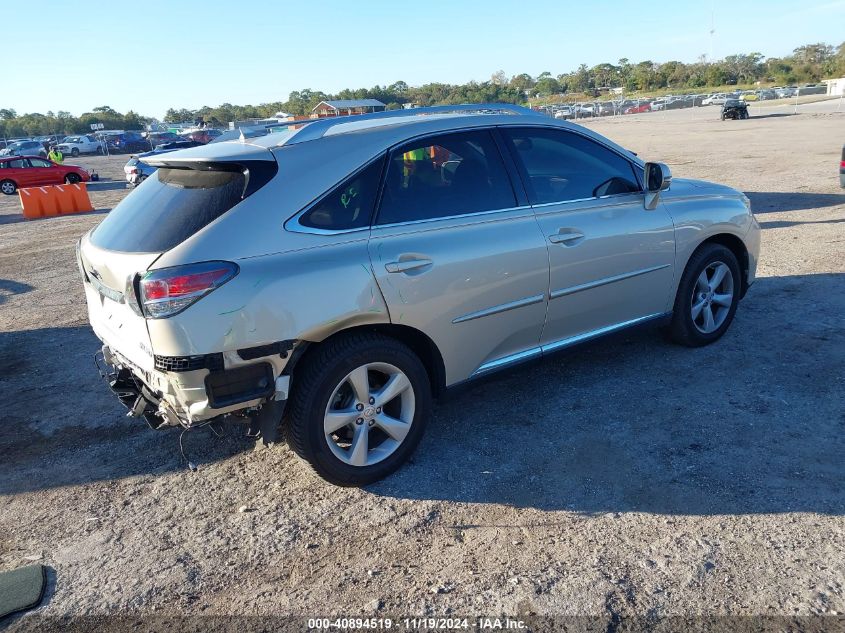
[(74, 152), (100, 150), (72, 179), (682, 329), (316, 379), (8, 187)]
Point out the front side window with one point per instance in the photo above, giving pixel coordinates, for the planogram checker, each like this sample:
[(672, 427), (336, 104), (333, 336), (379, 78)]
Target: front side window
[(447, 175), (349, 205), (559, 166), (37, 162)]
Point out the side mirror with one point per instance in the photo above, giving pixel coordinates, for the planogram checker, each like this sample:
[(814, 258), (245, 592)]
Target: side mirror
[(658, 178)]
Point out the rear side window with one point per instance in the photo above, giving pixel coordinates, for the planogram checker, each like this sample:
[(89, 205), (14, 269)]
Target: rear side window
[(441, 176), (560, 166), (349, 205), (167, 208)]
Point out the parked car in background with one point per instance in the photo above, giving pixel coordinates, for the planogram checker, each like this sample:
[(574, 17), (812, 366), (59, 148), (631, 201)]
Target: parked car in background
[(766, 95), (605, 108), (82, 144), (638, 108), (126, 142), (136, 170), (717, 99), (261, 281), (735, 109), (24, 148), (565, 112), (19, 172), (842, 169), (157, 138), (202, 136)]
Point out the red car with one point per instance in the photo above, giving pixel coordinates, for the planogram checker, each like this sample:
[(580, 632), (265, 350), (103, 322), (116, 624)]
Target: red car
[(636, 109), (31, 171)]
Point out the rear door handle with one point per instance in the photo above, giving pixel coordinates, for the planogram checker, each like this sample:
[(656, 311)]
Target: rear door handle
[(406, 265), (566, 238)]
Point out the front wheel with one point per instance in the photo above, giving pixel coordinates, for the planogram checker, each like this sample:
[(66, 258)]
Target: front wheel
[(74, 152), (707, 297), (358, 408), (8, 187), (72, 179)]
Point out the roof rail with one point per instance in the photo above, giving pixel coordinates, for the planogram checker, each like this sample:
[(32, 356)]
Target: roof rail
[(318, 128), (313, 129)]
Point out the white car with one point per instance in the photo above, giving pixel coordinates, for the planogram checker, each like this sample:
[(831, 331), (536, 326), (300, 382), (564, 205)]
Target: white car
[(83, 144), (716, 99), (24, 148)]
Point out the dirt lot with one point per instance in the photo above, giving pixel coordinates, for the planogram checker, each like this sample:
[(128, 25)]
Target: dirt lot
[(631, 477)]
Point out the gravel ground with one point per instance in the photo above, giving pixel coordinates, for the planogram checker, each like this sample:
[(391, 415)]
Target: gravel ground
[(627, 478)]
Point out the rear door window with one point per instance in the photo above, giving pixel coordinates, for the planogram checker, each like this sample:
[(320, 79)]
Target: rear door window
[(169, 207), (446, 175)]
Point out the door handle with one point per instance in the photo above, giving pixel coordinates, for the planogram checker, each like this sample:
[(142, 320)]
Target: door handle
[(566, 238), (406, 265)]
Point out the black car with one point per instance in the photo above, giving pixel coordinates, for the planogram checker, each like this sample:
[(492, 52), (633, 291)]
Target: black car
[(127, 142), (734, 109)]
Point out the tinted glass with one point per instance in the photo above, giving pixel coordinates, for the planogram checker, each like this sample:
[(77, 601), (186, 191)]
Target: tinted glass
[(167, 208), (560, 166), (349, 205), (445, 175), (37, 162), (19, 163)]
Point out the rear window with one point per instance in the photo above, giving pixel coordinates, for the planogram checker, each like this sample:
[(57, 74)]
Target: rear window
[(169, 207)]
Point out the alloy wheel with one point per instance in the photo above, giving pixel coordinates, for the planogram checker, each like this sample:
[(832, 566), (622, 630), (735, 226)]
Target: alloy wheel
[(369, 414), (712, 297)]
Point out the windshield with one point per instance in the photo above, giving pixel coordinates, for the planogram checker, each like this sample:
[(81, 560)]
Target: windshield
[(167, 208)]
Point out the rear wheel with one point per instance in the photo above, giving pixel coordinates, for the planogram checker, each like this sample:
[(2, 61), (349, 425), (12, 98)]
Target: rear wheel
[(72, 179), (358, 408), (707, 297), (8, 187)]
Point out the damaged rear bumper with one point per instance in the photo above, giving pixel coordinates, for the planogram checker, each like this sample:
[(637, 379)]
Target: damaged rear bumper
[(184, 391)]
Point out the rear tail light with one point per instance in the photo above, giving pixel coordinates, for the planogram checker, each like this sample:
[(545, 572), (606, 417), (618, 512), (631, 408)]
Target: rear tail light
[(168, 291)]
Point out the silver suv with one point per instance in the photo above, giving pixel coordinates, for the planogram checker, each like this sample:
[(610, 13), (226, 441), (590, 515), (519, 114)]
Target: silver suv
[(337, 275)]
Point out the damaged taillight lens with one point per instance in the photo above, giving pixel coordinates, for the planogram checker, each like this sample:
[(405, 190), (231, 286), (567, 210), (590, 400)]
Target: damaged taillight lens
[(168, 291)]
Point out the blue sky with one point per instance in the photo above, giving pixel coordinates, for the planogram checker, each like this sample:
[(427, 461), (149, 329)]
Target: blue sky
[(154, 54)]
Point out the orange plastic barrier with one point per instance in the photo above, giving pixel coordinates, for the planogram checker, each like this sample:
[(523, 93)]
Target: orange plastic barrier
[(48, 201)]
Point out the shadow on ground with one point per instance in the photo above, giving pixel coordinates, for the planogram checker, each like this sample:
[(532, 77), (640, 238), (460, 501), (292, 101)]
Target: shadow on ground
[(9, 287), (752, 424), (775, 201)]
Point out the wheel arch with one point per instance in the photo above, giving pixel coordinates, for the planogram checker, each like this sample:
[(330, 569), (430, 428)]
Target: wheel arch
[(425, 349), (734, 244)]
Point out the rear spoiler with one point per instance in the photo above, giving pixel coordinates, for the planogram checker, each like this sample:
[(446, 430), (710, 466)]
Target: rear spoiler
[(256, 172)]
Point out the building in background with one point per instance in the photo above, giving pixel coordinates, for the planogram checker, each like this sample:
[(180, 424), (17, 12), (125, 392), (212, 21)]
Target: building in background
[(835, 87), (343, 107)]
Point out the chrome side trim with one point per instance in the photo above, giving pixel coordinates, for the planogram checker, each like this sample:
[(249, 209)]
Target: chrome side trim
[(586, 336), (504, 307), (512, 359), (505, 361), (601, 282)]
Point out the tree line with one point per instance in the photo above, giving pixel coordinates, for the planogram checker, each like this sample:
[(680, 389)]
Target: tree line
[(806, 64)]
